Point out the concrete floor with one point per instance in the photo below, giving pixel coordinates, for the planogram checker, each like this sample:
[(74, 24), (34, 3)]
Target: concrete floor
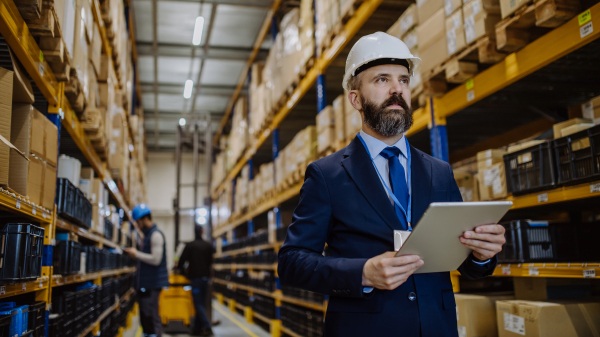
[(232, 325)]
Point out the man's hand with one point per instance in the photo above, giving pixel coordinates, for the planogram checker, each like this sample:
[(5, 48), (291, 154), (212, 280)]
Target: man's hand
[(486, 241), (388, 272), (131, 251)]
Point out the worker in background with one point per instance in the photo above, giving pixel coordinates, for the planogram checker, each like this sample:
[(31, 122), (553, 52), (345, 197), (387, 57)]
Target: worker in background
[(152, 270), (195, 263), (356, 198)]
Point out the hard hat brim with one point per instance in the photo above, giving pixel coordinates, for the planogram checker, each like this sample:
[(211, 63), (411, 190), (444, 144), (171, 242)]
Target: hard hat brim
[(413, 62)]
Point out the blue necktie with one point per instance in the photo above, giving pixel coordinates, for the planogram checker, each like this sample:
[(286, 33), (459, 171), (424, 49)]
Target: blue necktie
[(397, 181)]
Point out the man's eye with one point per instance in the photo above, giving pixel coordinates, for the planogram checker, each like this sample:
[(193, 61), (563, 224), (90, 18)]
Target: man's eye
[(382, 79)]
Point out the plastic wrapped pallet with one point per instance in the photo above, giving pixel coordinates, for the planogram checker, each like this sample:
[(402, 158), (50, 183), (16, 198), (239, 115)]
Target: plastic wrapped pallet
[(306, 28), (325, 129), (280, 171), (305, 144), (455, 33), (433, 49), (239, 129), (340, 122)]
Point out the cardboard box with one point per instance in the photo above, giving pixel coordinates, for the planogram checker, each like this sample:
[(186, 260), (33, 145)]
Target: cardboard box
[(411, 40), (31, 186), (545, 319), (479, 20), (105, 64), (433, 48), (325, 119), (87, 173), (468, 185), (450, 6), (338, 116), (394, 30), (455, 33), (557, 128), (305, 144), (492, 182), (97, 192), (476, 315), (50, 142), (36, 129), (409, 19), (95, 50), (569, 130), (591, 110), (20, 136), (507, 7), (426, 9), (21, 86), (489, 157), (326, 140), (353, 123), (6, 92), (65, 11), (49, 187)]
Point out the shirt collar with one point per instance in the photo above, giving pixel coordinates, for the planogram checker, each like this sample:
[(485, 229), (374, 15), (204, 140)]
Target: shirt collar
[(375, 145)]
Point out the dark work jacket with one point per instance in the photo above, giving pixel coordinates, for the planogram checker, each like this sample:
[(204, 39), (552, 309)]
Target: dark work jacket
[(199, 256), (153, 277), (343, 203)]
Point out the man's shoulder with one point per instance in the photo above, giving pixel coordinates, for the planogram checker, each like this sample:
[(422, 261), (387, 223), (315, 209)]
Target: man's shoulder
[(438, 163), (331, 161)]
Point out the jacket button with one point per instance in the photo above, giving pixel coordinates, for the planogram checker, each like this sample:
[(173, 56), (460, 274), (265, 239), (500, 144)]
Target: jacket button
[(412, 296)]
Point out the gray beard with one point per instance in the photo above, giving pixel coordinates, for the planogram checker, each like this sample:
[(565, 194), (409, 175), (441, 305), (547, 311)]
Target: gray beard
[(387, 123)]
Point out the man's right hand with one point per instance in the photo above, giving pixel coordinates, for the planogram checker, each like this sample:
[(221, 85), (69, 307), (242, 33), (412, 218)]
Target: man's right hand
[(388, 272)]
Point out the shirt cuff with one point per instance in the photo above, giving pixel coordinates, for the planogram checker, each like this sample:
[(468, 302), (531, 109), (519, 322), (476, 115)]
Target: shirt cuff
[(367, 290), (482, 263)]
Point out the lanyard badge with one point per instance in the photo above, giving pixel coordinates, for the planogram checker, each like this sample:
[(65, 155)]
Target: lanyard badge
[(408, 212)]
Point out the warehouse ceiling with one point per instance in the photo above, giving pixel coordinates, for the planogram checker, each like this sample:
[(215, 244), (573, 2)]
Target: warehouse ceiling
[(167, 58)]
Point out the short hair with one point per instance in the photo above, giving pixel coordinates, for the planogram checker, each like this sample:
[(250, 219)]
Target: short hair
[(148, 216), (354, 82), (198, 230)]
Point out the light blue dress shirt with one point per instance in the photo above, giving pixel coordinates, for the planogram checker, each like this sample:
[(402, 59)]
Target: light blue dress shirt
[(375, 147)]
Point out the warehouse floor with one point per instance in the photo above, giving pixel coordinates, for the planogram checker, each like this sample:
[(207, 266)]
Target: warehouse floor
[(232, 325)]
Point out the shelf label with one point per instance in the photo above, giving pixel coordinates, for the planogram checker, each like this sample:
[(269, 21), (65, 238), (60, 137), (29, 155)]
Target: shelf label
[(595, 188), (533, 271), (470, 84), (41, 69), (24, 287), (470, 95), (542, 197), (586, 30), (33, 210), (44, 214), (506, 270), (585, 17), (41, 285), (589, 273), (2, 290), (42, 55), (18, 204)]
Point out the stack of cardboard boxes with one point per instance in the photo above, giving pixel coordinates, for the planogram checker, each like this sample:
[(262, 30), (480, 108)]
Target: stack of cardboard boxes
[(491, 174), (239, 129), (326, 136), (29, 147), (406, 30)]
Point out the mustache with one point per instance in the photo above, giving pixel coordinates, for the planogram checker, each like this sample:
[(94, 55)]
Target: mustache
[(395, 100)]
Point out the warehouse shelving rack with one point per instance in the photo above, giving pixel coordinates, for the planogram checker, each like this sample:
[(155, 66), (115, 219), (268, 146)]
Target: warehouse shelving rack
[(16, 33), (434, 115)]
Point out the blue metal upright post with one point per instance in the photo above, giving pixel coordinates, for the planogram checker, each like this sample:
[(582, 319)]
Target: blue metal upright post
[(250, 178), (437, 135), (321, 97)]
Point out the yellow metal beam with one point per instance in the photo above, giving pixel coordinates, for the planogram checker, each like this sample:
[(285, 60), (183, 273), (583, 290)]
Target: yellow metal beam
[(558, 270), (17, 35), (363, 13), (13, 203), (8, 290), (561, 194), (264, 30), (536, 55)]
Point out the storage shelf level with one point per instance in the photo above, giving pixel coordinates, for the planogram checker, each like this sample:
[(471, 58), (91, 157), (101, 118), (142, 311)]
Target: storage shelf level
[(219, 266), (561, 194), (60, 280), (16, 204), (250, 249), (82, 232), (8, 290), (557, 270)]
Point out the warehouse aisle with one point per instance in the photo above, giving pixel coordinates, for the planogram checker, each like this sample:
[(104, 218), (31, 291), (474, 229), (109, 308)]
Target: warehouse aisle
[(232, 325)]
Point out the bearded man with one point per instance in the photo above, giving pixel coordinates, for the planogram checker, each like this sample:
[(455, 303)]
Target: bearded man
[(354, 199)]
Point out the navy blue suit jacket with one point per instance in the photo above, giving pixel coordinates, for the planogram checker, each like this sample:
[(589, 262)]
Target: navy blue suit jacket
[(344, 204)]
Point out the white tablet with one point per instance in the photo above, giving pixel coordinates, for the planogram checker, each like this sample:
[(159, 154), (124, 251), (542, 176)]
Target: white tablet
[(436, 237)]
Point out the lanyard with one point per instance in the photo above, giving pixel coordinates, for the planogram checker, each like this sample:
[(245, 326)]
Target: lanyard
[(408, 213)]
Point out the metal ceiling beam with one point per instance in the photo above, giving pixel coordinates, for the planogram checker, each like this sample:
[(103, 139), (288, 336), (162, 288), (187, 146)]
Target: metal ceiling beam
[(183, 50), (177, 89), (242, 3), (155, 61)]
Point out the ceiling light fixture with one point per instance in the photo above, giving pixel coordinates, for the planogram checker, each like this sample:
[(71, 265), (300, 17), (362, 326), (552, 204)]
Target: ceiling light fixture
[(198, 27), (187, 90), (182, 123)]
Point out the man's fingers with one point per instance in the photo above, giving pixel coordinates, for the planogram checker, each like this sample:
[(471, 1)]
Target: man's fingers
[(496, 238), (491, 229), (481, 244), (482, 251), (403, 260)]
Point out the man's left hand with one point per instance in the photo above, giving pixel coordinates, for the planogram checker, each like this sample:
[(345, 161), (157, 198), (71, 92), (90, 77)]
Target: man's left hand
[(131, 251), (486, 241)]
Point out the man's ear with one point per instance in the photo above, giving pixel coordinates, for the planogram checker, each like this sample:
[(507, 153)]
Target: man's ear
[(354, 99)]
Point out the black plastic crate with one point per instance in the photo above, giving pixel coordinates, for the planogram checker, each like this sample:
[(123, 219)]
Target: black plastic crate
[(55, 325), (529, 241), (21, 252), (578, 156), (5, 325), (72, 203), (67, 257), (108, 229), (36, 316), (531, 169)]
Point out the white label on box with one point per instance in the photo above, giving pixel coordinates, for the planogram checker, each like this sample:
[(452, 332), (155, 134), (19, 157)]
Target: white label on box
[(456, 22), (406, 23), (449, 7), (490, 176), (44, 214), (586, 29), (589, 273), (506, 270), (462, 331), (41, 69), (2, 290), (543, 197), (594, 188), (488, 162), (23, 286), (587, 109), (470, 95), (476, 8), (470, 28), (421, 2), (18, 204), (497, 186), (451, 37), (534, 271), (514, 323)]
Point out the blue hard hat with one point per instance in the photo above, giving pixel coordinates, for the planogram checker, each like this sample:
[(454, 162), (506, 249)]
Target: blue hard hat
[(140, 211)]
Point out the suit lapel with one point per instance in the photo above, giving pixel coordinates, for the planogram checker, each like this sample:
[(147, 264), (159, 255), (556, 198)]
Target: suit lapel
[(358, 165), (421, 184)]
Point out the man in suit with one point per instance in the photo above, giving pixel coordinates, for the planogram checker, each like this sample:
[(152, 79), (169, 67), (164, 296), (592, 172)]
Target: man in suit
[(354, 199)]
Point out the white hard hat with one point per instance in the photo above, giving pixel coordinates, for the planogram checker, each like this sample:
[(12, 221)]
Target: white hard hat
[(378, 46)]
